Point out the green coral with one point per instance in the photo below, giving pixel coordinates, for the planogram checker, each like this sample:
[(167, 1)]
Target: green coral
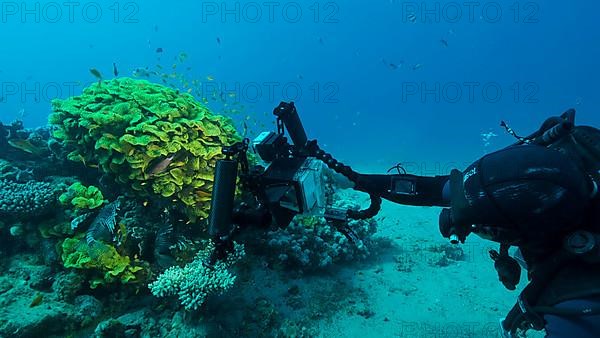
[(310, 221), (194, 282), (55, 228), (128, 128), (82, 197), (107, 265)]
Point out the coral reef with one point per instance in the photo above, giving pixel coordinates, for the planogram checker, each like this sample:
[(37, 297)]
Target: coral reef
[(11, 173), (17, 142), (101, 258), (102, 225), (31, 304), (156, 140), (27, 200), (82, 197), (30, 154), (310, 243), (195, 281)]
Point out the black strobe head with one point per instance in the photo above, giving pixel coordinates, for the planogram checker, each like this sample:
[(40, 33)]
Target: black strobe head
[(270, 145), (287, 113)]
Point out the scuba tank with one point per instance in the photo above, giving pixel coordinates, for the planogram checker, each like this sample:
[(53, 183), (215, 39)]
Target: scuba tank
[(580, 143)]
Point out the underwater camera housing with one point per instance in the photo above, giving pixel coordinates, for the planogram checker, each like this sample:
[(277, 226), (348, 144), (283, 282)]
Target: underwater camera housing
[(289, 185), (285, 182)]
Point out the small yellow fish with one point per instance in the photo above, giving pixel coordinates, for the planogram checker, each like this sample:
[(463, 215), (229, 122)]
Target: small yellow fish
[(37, 300), (210, 78), (145, 203), (189, 90), (82, 159)]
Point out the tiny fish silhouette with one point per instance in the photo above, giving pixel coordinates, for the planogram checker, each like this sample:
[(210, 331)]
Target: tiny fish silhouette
[(96, 73)]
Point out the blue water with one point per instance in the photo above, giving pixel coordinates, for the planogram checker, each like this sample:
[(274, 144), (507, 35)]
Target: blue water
[(376, 83), (542, 56)]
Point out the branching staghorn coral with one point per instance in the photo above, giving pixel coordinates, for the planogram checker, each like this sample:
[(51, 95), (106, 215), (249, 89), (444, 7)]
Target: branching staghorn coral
[(195, 281)]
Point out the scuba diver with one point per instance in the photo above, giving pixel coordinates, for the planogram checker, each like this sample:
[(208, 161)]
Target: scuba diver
[(539, 195)]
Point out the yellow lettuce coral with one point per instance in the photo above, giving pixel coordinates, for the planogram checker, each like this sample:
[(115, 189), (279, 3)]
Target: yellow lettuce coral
[(159, 141), (82, 197), (98, 257)]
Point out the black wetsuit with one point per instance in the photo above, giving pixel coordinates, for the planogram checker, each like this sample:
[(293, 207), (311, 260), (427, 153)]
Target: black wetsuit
[(527, 196)]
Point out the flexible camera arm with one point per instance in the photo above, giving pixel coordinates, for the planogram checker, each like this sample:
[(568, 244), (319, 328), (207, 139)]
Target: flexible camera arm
[(398, 188), (225, 217), (401, 188)]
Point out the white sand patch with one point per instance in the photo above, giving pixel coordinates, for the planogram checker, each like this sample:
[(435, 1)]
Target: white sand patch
[(423, 299)]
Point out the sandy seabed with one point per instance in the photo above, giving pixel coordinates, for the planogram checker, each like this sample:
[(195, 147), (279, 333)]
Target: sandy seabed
[(406, 291)]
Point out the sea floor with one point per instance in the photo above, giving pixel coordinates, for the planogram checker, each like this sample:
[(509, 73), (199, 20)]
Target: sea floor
[(415, 285), (413, 290)]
